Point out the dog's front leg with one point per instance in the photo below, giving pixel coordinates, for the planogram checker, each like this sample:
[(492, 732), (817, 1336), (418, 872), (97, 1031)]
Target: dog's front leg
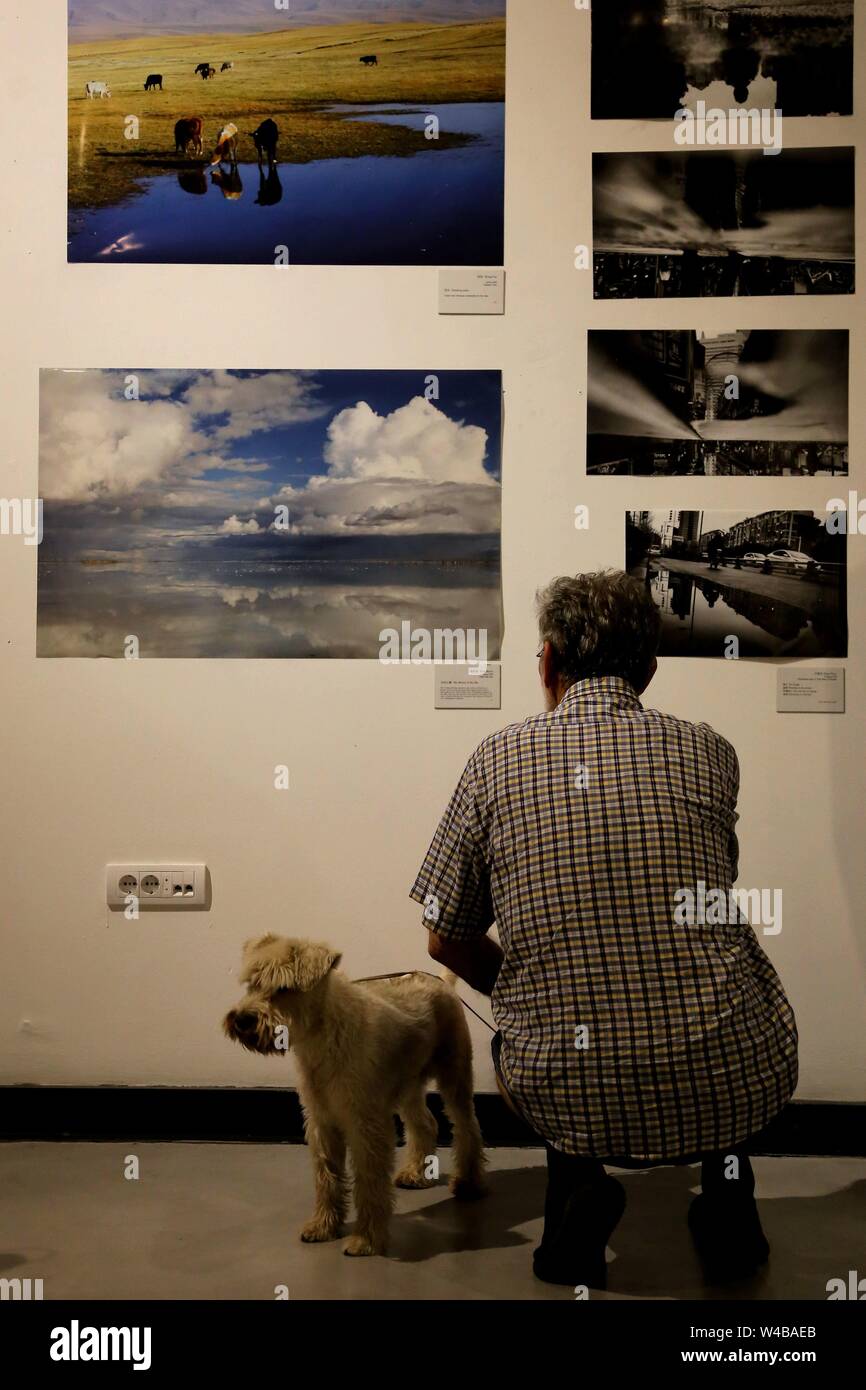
[(328, 1150), (371, 1144)]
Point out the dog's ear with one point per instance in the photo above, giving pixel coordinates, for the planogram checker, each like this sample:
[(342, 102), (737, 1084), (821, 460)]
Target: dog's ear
[(273, 963), (313, 963)]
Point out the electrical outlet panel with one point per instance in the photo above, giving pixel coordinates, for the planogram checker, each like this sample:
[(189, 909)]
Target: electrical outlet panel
[(156, 885)]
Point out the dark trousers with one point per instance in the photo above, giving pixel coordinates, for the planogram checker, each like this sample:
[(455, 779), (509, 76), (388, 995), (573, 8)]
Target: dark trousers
[(568, 1174), (571, 1173)]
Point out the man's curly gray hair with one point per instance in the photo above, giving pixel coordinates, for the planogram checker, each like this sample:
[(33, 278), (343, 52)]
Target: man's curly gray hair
[(602, 624)]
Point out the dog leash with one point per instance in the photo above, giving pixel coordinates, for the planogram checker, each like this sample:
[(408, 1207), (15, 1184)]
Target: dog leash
[(402, 974)]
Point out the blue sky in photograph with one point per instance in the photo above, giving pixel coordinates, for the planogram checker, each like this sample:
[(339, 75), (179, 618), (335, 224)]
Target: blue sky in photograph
[(202, 461), (90, 20)]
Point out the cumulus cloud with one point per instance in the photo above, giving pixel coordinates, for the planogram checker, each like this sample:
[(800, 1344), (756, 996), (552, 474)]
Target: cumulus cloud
[(251, 403), (233, 526), (96, 444), (416, 441), (413, 472)]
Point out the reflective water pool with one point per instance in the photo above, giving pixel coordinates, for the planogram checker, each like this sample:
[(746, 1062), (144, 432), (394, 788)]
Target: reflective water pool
[(437, 207)]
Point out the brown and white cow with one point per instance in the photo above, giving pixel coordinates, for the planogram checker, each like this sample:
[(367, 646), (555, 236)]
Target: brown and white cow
[(226, 145)]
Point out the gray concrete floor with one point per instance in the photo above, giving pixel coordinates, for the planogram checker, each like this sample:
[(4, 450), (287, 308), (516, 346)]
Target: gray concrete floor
[(220, 1221)]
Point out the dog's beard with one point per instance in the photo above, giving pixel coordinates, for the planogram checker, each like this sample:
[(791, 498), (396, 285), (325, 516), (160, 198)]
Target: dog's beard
[(257, 1030)]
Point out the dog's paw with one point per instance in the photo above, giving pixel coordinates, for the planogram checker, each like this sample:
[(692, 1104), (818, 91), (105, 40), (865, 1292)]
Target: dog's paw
[(360, 1245), (318, 1230), (468, 1189), (412, 1177)]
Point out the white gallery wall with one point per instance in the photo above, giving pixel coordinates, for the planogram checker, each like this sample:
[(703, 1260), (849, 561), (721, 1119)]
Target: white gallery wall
[(173, 761)]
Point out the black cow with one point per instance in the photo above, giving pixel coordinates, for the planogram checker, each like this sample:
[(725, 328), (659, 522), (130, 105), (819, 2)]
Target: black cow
[(154, 80), (227, 67), (202, 67), (370, 60), (207, 73), (265, 140)]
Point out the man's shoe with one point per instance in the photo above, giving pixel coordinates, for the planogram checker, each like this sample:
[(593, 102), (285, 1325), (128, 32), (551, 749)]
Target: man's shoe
[(728, 1237), (574, 1254)]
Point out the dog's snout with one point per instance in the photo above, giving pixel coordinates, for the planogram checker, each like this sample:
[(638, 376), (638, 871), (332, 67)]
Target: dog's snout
[(245, 1023)]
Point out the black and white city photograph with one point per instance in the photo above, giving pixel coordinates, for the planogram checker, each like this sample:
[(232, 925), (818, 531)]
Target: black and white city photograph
[(707, 403), (714, 223), (651, 58), (774, 581)]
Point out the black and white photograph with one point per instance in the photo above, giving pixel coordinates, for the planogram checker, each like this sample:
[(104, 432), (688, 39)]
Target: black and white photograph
[(715, 224), (651, 58), (707, 403), (266, 514), (774, 581)]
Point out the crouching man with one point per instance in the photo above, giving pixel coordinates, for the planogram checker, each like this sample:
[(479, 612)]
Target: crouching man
[(625, 1036)]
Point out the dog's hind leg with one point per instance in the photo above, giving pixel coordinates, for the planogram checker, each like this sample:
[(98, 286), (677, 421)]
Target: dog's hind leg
[(371, 1144), (454, 1074), (328, 1150), (421, 1135)]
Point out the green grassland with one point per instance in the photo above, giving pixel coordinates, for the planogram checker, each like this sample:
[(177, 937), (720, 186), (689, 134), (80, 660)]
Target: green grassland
[(289, 76)]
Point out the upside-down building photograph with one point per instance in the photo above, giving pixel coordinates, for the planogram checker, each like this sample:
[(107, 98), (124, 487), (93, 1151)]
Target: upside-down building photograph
[(432, 676), (718, 403), (651, 58), (714, 224)]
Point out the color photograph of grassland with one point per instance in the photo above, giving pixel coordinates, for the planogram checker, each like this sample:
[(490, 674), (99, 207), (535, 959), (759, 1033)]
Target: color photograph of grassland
[(379, 141)]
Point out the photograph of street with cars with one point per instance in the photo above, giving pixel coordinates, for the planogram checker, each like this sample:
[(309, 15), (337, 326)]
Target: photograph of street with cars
[(775, 581)]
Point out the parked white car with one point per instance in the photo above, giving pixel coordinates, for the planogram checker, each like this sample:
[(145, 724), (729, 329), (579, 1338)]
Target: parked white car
[(791, 557)]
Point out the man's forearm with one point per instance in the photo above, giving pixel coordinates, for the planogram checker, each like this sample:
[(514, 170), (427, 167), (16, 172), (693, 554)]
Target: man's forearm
[(477, 961)]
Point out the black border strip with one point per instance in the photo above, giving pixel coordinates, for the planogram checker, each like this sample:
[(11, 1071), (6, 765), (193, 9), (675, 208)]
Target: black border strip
[(102, 1114)]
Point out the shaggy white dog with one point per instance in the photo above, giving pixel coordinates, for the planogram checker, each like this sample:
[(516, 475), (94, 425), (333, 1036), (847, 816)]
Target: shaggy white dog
[(365, 1050)]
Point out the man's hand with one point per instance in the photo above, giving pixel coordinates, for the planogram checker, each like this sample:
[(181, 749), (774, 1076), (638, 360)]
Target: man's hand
[(477, 961)]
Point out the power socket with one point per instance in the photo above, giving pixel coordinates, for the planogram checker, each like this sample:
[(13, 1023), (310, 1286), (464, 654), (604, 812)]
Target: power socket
[(156, 885)]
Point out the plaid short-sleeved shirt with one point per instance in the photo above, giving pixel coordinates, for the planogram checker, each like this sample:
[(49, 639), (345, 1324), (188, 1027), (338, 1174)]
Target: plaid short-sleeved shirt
[(624, 1032)]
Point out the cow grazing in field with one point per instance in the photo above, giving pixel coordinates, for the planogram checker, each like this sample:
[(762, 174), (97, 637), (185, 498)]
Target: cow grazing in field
[(154, 79), (188, 135), (97, 89), (201, 67), (226, 146), (370, 60), (227, 67), (207, 74), (265, 140)]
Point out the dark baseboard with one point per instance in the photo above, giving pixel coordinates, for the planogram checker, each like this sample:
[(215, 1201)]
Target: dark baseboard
[(101, 1114)]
